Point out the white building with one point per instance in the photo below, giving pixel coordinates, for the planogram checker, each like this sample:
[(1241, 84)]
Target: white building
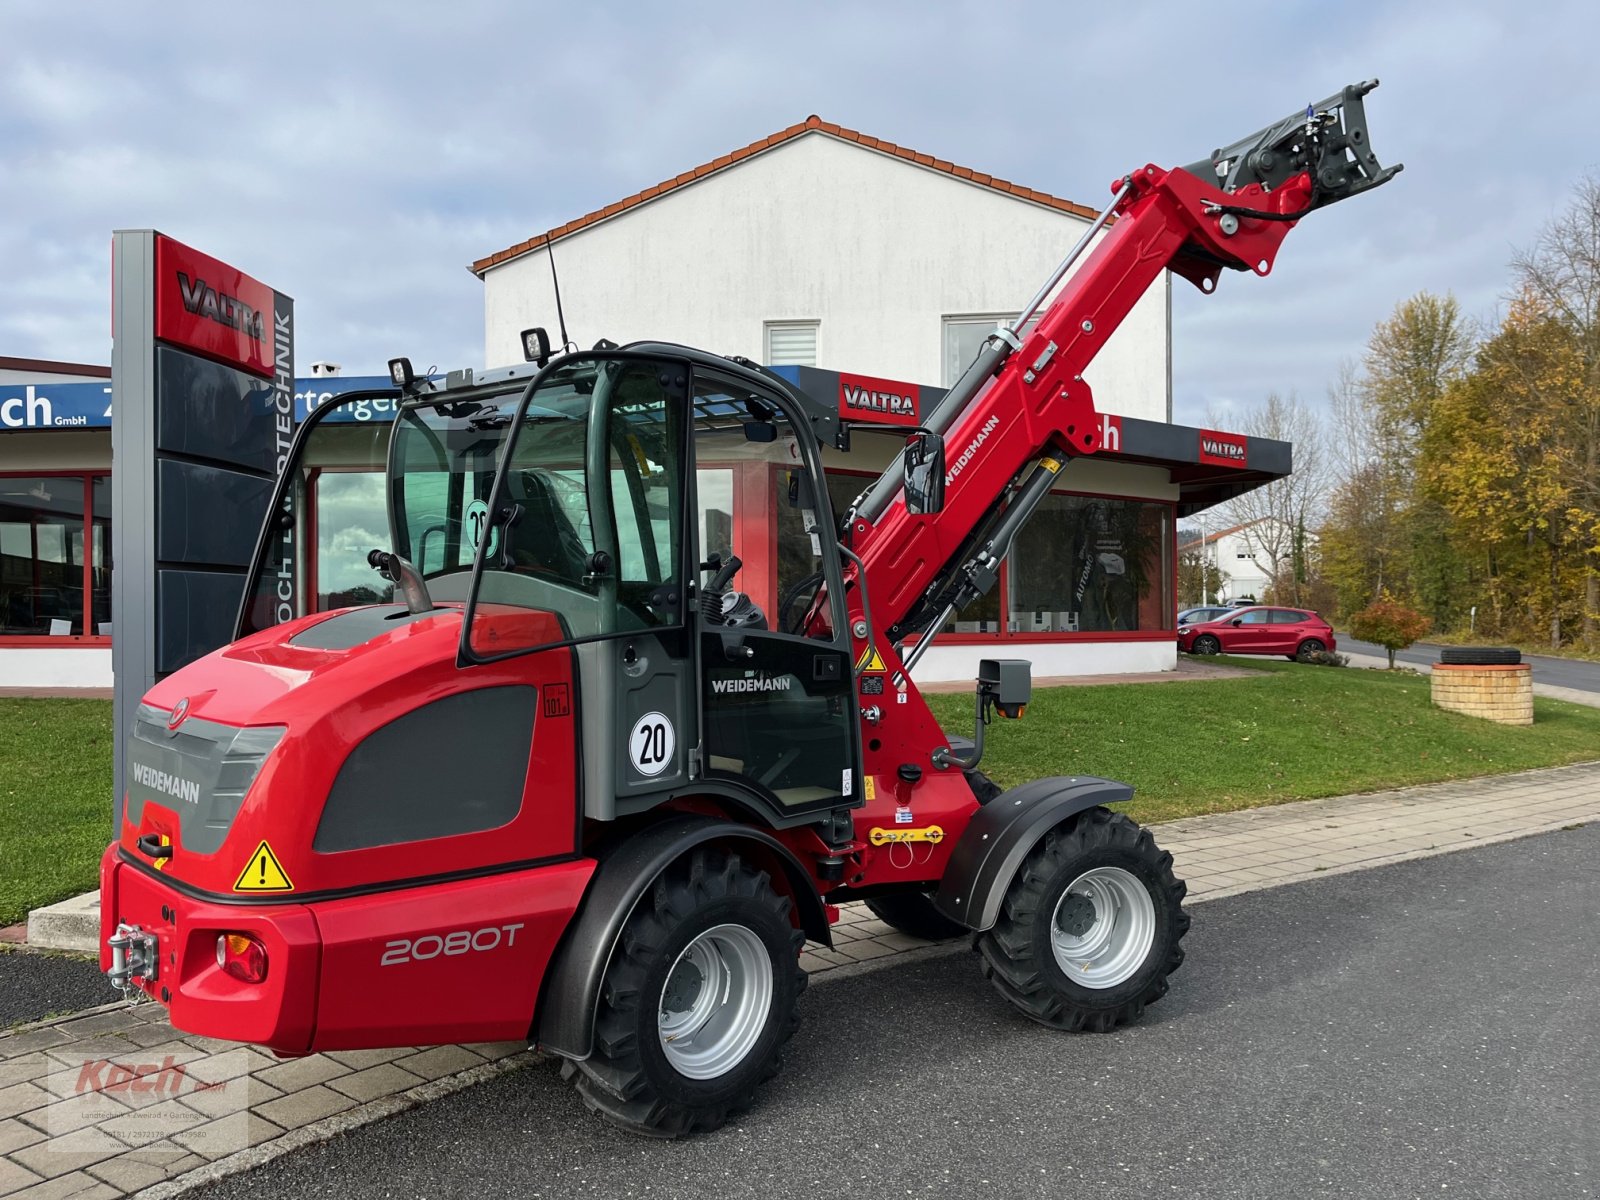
[(821, 246)]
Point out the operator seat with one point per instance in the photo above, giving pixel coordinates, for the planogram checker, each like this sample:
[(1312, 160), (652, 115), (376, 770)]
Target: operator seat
[(543, 538)]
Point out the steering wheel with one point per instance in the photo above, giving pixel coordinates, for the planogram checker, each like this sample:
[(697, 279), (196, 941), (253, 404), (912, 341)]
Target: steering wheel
[(805, 589)]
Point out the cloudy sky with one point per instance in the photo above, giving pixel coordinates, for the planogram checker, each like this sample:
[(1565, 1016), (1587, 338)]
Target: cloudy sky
[(358, 155)]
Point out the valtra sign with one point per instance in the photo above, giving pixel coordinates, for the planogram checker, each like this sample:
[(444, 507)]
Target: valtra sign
[(214, 309), (1223, 449), (863, 398)]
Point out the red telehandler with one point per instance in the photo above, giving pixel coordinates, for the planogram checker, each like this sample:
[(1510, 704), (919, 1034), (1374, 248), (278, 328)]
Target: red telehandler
[(548, 775)]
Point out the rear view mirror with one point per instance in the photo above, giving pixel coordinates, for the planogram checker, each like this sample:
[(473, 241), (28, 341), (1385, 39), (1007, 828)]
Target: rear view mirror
[(923, 464)]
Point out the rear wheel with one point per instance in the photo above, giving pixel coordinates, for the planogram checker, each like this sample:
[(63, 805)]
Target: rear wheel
[(1309, 647), (1090, 928), (701, 994), (1206, 644)]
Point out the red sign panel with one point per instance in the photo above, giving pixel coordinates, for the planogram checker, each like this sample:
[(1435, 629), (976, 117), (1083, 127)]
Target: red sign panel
[(863, 398), (1110, 433), (209, 307), (1223, 449)]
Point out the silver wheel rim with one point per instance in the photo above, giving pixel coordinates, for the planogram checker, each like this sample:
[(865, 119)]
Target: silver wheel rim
[(715, 1002), (1103, 927)]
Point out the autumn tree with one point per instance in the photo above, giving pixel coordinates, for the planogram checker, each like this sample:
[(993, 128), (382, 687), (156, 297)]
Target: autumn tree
[(1561, 273)]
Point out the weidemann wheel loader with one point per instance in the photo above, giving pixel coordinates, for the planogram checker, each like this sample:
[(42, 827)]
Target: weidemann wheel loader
[(563, 782)]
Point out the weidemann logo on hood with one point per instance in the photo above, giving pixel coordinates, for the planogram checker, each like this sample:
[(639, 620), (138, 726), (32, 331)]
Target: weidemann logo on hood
[(971, 451), (759, 684), (175, 786)]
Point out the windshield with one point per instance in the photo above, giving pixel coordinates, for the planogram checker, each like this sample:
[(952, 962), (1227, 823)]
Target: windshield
[(590, 504), (443, 464)]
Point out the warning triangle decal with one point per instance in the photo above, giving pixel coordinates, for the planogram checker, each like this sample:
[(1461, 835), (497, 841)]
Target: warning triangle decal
[(262, 873), (870, 660)]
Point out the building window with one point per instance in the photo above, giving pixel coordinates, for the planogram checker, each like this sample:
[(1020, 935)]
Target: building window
[(55, 555), (1085, 564), (964, 337), (791, 343)]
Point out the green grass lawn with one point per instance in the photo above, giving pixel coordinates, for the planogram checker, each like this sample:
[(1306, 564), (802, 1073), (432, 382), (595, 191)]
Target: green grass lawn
[(1289, 732), (55, 800)]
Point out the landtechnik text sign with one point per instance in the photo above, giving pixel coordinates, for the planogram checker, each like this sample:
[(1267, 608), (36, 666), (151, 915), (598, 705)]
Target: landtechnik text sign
[(202, 413)]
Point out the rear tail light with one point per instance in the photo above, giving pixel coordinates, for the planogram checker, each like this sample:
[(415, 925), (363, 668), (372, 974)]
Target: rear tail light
[(242, 956)]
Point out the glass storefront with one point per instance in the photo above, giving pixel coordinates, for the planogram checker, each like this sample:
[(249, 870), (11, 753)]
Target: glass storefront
[(55, 555)]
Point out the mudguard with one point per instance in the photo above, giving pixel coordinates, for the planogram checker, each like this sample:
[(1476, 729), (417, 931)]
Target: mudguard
[(564, 1020), (1001, 834)]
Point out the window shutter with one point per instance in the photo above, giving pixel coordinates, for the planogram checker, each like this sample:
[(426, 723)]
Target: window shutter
[(792, 343)]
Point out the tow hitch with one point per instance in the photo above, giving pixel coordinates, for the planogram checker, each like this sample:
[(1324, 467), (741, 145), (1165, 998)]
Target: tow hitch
[(135, 954)]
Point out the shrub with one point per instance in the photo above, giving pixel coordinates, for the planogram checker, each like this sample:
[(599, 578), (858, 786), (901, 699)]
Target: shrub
[(1327, 658), (1389, 623)]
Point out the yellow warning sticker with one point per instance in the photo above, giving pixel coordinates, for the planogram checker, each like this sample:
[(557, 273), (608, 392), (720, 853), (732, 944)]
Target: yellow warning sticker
[(871, 660), (263, 873), (871, 789), (883, 837)]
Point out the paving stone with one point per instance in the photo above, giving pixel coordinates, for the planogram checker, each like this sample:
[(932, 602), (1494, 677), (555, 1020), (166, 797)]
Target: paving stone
[(359, 1060), (302, 1073), (861, 951), (70, 1152), (148, 1033), (22, 1098), (106, 1046), (299, 1108), (107, 1022), (902, 942), (230, 1096), (25, 1068), (209, 1045), (76, 1186), (383, 1080), (497, 1050), (14, 1177), (15, 1134), (439, 1062), (230, 1064), (129, 1173), (30, 1040), (229, 1135), (812, 965), (158, 1123)]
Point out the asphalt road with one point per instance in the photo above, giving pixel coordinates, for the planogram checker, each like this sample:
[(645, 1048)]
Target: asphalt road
[(1425, 1029), (1557, 672), (36, 985)]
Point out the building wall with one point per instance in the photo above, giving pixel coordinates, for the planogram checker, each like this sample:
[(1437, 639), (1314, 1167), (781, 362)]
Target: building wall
[(879, 250)]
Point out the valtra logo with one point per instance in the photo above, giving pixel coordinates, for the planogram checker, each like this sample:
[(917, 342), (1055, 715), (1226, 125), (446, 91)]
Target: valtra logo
[(215, 310), (1223, 449), (862, 398), (204, 300)]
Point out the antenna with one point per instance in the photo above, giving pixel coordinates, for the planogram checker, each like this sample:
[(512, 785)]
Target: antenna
[(561, 320)]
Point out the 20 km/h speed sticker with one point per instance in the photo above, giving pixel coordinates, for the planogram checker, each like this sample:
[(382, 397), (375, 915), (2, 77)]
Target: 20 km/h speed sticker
[(651, 744)]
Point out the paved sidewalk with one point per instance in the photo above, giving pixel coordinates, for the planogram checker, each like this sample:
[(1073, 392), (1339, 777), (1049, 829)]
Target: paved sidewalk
[(114, 1101)]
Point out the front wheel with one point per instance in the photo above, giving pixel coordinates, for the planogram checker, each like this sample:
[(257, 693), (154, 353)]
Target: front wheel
[(701, 994), (1090, 928), (1206, 644)]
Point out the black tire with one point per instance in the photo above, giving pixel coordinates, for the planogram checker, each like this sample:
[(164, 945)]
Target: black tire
[(1480, 656), (1017, 956), (629, 1079), (1206, 644), (913, 913), (1309, 647)]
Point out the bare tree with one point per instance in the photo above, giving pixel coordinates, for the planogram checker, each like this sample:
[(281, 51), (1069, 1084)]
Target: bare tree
[(1273, 515)]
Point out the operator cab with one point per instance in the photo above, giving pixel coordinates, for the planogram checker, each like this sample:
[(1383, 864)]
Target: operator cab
[(587, 509)]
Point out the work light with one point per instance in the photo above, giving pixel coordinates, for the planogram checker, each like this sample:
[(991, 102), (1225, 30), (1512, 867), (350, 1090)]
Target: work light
[(400, 372)]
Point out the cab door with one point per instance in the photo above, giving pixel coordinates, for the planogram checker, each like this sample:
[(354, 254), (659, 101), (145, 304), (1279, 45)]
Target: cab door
[(778, 700)]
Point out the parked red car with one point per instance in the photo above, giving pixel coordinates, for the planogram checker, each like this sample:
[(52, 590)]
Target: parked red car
[(1291, 632)]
